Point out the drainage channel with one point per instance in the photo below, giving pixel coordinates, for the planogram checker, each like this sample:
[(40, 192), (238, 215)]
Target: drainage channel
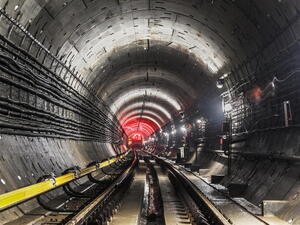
[(152, 199), (130, 206), (152, 212)]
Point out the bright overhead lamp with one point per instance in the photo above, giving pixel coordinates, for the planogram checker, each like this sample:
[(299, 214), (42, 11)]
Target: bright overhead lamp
[(220, 83), (227, 107)]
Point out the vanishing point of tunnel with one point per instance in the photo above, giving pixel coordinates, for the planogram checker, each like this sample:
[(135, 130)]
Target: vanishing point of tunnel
[(149, 112)]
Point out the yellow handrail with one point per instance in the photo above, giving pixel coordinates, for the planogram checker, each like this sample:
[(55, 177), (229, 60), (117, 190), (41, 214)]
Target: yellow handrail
[(20, 195)]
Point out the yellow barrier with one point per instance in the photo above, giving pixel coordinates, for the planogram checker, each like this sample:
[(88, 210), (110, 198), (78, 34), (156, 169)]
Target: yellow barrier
[(20, 195)]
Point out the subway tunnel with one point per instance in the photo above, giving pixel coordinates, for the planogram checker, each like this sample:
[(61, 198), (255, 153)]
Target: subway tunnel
[(128, 111)]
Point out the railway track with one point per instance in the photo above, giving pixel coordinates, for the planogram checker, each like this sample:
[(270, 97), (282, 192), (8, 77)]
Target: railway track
[(148, 191), (104, 181), (145, 202)]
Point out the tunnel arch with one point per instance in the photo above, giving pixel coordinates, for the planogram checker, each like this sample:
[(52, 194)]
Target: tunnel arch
[(145, 114), (162, 108), (101, 35), (178, 50)]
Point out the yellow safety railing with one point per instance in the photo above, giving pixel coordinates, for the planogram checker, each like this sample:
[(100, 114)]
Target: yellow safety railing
[(23, 194)]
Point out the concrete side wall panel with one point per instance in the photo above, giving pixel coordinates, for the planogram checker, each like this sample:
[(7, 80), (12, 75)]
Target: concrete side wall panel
[(26, 159)]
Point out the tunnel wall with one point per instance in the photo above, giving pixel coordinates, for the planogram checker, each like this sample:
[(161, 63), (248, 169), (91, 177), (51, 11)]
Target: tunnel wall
[(261, 39), (26, 159), (39, 111), (269, 164), (268, 152), (267, 161), (50, 120)]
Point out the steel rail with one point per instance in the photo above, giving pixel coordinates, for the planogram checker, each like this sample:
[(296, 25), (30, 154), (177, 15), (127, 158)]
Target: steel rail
[(18, 196), (80, 217), (217, 213), (214, 213)]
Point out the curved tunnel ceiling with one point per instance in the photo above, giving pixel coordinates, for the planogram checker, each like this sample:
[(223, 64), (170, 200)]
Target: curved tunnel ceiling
[(155, 58), (156, 64)]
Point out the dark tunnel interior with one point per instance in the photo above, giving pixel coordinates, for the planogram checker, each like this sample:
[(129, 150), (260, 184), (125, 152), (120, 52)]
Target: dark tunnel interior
[(211, 85)]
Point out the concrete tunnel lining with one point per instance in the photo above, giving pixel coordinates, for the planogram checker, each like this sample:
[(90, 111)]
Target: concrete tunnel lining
[(176, 50)]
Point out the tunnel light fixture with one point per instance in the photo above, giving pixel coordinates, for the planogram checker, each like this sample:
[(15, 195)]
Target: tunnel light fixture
[(220, 83), (224, 75), (166, 134), (183, 129), (227, 107), (173, 132), (199, 121), (273, 84)]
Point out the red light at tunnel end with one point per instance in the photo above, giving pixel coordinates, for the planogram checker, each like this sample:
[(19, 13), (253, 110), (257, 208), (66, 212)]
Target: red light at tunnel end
[(137, 136), (139, 129)]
